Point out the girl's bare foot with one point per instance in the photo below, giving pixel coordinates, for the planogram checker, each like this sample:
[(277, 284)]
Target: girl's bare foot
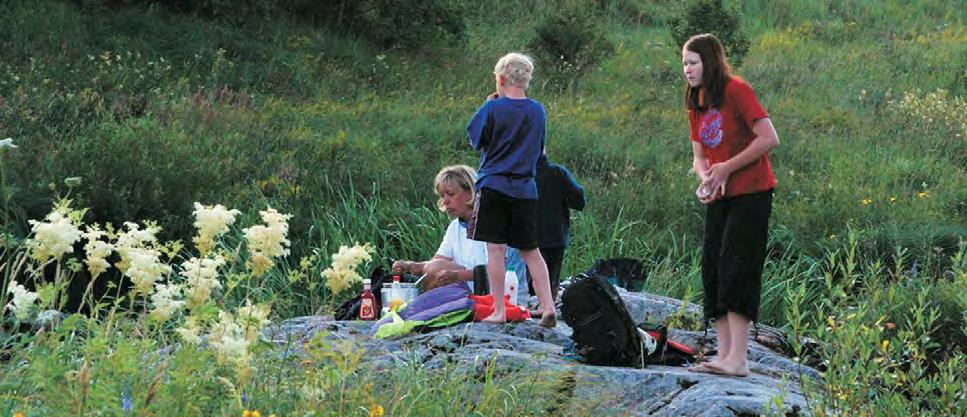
[(729, 368), (548, 320)]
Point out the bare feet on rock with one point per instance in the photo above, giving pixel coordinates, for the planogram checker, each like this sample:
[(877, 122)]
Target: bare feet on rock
[(739, 369), (548, 320), (496, 318)]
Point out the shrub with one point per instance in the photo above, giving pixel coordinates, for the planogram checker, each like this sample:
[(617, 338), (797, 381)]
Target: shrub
[(571, 41), (406, 24), (711, 16)]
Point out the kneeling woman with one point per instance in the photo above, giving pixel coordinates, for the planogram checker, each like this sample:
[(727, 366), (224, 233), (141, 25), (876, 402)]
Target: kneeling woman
[(457, 256)]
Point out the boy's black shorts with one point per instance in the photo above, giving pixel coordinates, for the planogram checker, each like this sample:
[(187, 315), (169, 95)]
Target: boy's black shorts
[(736, 233), (500, 218)]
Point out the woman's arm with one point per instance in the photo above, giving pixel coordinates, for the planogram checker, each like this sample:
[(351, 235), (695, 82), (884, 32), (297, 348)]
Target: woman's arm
[(765, 140), (413, 267)]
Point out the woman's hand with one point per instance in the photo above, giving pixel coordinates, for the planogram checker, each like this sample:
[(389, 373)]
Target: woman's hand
[(402, 266), (493, 96), (439, 279)]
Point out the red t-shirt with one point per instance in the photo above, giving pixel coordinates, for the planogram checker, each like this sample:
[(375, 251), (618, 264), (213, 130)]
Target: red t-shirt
[(727, 130)]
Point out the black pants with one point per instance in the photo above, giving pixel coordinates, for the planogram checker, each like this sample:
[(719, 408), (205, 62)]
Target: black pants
[(736, 233), (554, 258)]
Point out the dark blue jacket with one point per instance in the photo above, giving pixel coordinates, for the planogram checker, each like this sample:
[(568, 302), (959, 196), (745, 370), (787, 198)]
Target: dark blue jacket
[(557, 192)]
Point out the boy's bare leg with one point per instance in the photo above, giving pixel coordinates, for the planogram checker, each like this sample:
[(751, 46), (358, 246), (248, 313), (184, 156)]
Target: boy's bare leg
[(542, 285), (496, 254)]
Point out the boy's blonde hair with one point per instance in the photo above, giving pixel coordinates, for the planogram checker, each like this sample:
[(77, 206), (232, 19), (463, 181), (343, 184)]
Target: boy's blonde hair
[(456, 175), (516, 68)]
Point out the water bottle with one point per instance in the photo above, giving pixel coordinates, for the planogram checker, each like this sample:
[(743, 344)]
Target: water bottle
[(510, 285)]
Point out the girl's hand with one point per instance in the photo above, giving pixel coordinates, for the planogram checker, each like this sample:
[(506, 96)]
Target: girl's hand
[(716, 177), (493, 96), (704, 194)]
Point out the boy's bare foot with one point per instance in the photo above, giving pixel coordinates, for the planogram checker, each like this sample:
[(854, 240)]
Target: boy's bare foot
[(729, 368), (496, 318), (548, 320)]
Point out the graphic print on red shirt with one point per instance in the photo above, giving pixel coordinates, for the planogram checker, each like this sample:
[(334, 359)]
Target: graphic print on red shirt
[(726, 131), (711, 132)]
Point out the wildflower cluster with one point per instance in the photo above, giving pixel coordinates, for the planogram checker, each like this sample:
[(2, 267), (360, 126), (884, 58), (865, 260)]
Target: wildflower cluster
[(97, 250), (268, 241), (56, 235), (934, 110), (140, 256), (201, 277), (211, 221), (165, 301), (22, 304), (232, 334), (343, 273)]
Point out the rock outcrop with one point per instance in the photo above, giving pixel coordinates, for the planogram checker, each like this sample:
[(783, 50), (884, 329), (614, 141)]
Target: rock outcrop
[(655, 390)]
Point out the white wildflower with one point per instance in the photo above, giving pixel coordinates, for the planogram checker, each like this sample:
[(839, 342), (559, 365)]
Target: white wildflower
[(190, 331), (201, 278), (211, 221), (133, 238), (252, 318), (145, 268), (228, 338), (97, 251), (55, 236), (342, 273), (338, 280), (164, 301), (266, 242), (22, 304), (349, 257)]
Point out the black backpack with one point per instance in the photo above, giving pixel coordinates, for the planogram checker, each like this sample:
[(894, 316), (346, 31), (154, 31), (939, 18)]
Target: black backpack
[(604, 333), (627, 273)]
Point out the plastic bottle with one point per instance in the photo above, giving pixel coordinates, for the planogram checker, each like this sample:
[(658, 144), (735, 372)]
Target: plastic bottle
[(367, 303), (395, 294), (510, 284)]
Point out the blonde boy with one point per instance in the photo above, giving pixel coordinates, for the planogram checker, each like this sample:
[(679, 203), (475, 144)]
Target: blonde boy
[(508, 130)]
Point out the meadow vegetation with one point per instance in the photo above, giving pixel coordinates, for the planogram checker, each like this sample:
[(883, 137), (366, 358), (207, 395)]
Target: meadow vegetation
[(339, 113)]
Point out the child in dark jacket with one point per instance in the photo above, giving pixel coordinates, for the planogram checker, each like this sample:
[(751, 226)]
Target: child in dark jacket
[(558, 193)]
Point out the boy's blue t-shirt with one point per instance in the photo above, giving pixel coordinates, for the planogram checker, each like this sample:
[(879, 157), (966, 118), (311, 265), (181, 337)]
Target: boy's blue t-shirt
[(510, 133)]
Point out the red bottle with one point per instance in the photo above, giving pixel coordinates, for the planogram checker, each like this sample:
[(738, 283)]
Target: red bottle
[(367, 305)]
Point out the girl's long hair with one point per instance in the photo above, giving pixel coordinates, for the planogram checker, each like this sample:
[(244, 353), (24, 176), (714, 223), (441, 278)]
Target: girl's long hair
[(716, 72)]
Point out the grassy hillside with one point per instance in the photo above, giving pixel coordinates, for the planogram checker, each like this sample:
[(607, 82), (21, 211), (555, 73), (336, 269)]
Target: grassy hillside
[(252, 105)]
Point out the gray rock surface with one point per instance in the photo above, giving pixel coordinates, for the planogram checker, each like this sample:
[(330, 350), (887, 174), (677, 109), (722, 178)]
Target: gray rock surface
[(655, 390)]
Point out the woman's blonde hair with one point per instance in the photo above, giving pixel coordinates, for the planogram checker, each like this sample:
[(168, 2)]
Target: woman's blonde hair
[(456, 175), (516, 68)]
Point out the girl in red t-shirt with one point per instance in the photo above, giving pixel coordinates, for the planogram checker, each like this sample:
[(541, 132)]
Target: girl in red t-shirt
[(731, 138)]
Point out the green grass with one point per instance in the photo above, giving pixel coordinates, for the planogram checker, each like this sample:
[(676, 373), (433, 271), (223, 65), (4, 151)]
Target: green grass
[(156, 110)]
